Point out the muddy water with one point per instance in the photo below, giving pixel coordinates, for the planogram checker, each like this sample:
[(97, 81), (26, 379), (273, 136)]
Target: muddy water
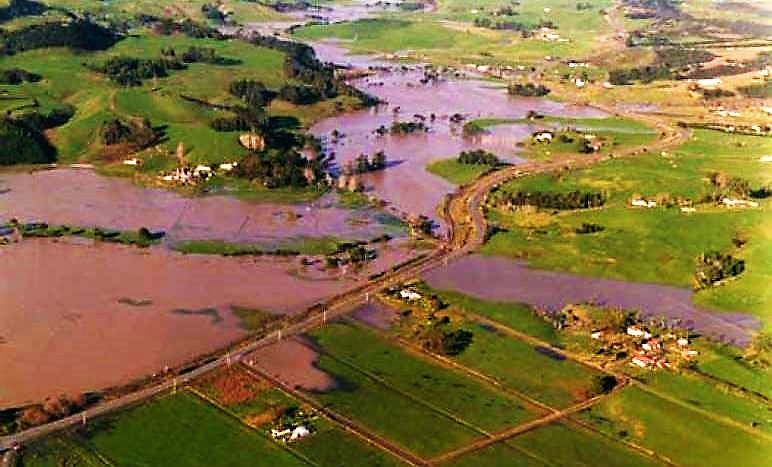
[(78, 316), (406, 183), (294, 362), (82, 197), (506, 280)]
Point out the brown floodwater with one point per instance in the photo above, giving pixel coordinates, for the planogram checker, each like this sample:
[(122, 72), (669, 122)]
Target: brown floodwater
[(80, 316), (502, 279), (293, 361), (406, 183), (85, 198)]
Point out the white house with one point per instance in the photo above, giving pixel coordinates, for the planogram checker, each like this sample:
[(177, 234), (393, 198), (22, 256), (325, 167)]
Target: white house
[(638, 332), (409, 295), (709, 82), (739, 203), (299, 433), (688, 209), (765, 159), (132, 161), (543, 136), (643, 203), (683, 342)]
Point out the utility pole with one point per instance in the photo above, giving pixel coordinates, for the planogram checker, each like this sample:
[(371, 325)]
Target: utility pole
[(174, 385), (83, 417)]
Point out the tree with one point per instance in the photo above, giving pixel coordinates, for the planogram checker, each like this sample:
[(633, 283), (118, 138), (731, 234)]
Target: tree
[(603, 384), (758, 352), (379, 161)]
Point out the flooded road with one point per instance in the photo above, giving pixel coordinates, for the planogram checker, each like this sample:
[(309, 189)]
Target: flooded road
[(502, 279)]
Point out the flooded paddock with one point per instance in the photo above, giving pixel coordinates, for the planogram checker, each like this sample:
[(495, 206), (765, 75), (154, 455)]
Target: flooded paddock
[(80, 316), (502, 279), (85, 198), (293, 361), (405, 182)]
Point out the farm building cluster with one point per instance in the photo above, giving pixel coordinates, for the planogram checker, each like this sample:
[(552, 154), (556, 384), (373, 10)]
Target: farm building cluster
[(294, 425)]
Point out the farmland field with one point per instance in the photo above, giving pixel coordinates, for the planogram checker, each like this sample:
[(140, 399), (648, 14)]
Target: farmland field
[(363, 364), (653, 423), (181, 430), (518, 365), (558, 444), (519, 317)]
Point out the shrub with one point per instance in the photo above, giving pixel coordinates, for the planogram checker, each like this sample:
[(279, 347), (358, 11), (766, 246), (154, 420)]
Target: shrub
[(18, 76), (713, 267), (589, 228), (528, 90), (478, 157), (22, 144)]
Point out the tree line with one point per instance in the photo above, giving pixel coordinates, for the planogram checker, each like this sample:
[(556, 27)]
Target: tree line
[(76, 34), (528, 90), (554, 200), (15, 76), (478, 157)]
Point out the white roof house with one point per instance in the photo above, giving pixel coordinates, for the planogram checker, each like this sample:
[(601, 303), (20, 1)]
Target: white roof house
[(409, 294), (643, 203), (299, 433)]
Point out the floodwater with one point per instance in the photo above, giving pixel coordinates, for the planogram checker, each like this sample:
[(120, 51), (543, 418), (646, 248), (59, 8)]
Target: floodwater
[(85, 198), (503, 279), (376, 315), (80, 316), (293, 361), (405, 182)]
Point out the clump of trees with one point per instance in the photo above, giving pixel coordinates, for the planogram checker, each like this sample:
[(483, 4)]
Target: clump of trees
[(21, 143), (589, 228), (759, 91), (713, 267), (478, 157), (76, 34), (276, 169), (403, 128), (130, 71), (718, 93), (438, 336), (19, 8), (725, 186), (603, 384), (554, 200), (254, 93), (53, 408), (187, 27), (244, 119), (300, 94), (196, 54), (363, 164), (137, 133), (528, 90), (759, 352), (526, 29), (38, 119), (18, 76), (645, 74)]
